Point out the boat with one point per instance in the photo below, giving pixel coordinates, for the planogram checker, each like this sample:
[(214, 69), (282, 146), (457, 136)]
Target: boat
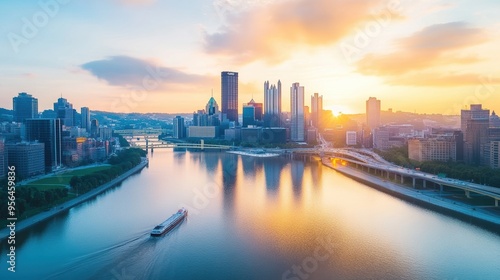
[(170, 223)]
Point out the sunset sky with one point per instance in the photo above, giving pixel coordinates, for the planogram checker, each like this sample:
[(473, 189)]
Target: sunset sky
[(428, 56)]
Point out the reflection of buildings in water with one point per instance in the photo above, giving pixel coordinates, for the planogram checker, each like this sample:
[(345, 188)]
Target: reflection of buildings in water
[(229, 175), (316, 169), (297, 171), (229, 170), (211, 161), (248, 164), (272, 170)]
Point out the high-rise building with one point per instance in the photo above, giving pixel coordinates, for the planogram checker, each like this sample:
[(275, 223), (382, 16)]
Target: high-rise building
[(316, 110), (94, 128), (85, 124), (248, 115), (65, 111), (48, 132), (25, 106), (351, 138), (178, 127), (229, 86), (272, 104), (258, 109), (212, 107), (475, 124), (373, 113), (495, 154), (28, 158), (297, 111), (494, 120)]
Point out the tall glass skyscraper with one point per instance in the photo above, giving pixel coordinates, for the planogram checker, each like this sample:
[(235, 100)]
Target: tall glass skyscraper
[(272, 104), (48, 132), (316, 109), (229, 86), (297, 110), (25, 106), (85, 112)]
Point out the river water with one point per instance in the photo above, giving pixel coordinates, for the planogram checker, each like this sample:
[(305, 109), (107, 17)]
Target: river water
[(251, 218)]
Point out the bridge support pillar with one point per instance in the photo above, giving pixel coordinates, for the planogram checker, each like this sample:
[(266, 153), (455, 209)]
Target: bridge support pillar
[(414, 182), (395, 176), (496, 202), (440, 188), (402, 179), (387, 174), (425, 184), (467, 194)]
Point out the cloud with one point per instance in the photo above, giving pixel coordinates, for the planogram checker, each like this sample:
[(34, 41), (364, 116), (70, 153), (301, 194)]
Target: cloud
[(272, 32), (434, 79), (127, 71), (435, 45), (136, 2)]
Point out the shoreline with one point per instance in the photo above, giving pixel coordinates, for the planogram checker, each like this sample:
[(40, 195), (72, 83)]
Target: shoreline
[(40, 217), (463, 212)]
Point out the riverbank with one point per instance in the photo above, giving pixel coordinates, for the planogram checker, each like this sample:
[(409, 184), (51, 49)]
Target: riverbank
[(468, 213), (24, 224)]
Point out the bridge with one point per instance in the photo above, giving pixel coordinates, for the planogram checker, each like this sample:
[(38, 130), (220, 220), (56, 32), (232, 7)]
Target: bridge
[(139, 132), (374, 164), (167, 145)]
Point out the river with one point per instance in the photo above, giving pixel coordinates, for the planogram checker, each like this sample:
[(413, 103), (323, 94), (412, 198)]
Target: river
[(251, 218)]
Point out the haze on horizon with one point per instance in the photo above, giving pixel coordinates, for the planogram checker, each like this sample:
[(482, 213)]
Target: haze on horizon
[(434, 56)]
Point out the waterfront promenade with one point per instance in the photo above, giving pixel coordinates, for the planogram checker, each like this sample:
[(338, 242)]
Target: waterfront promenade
[(465, 211), (26, 223)]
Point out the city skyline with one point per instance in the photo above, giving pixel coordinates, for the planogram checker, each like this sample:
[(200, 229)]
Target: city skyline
[(447, 55)]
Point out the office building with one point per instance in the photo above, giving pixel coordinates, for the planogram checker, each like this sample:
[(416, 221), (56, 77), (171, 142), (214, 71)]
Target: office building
[(28, 158), (48, 132), (439, 148), (494, 120), (297, 112), (351, 138), (475, 124), (248, 115), (202, 132), (272, 104), (25, 106), (94, 128), (85, 122), (212, 107), (316, 110), (65, 112), (258, 109), (105, 133), (178, 127), (373, 113), (229, 86), (495, 154)]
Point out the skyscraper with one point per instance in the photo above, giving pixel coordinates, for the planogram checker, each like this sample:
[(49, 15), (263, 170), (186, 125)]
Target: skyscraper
[(229, 86), (373, 113), (178, 127), (212, 107), (28, 158), (316, 109), (248, 115), (48, 132), (85, 112), (258, 109), (297, 112), (64, 111), (3, 158), (475, 124), (25, 106), (94, 128), (272, 104)]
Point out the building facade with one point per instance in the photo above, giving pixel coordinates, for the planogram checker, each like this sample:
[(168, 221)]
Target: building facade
[(229, 86), (28, 158), (48, 132), (475, 125), (373, 113), (25, 106), (272, 104), (248, 115), (85, 122), (432, 149), (351, 138), (297, 111), (316, 110), (179, 128)]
